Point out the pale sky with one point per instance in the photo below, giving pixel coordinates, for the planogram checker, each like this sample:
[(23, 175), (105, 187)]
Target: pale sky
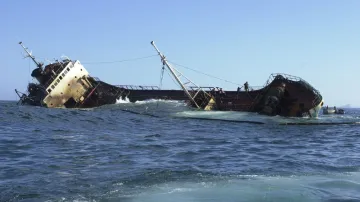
[(239, 41)]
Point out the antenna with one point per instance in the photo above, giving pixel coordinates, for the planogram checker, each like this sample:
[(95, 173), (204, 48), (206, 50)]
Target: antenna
[(29, 54), (66, 57), (49, 61)]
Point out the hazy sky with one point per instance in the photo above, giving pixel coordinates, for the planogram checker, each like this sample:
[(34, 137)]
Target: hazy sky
[(240, 41)]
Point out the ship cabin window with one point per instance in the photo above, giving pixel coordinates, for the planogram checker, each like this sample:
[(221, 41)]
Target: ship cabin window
[(52, 86), (49, 90), (58, 80), (60, 77), (56, 83), (63, 74), (68, 69)]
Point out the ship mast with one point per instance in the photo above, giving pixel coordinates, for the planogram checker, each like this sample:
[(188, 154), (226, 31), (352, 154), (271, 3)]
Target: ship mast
[(30, 55), (163, 59)]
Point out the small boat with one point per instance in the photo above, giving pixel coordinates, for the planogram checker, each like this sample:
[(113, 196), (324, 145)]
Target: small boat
[(334, 110), (328, 111)]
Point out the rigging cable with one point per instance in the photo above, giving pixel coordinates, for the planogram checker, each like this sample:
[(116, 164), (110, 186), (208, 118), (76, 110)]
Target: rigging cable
[(161, 76), (206, 74), (29, 71), (161, 79), (118, 61)]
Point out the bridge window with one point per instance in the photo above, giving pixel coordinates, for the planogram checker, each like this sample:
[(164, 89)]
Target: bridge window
[(58, 80), (63, 74), (52, 86), (60, 77), (68, 69), (49, 90)]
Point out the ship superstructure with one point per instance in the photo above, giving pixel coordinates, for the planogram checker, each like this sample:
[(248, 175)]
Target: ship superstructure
[(67, 84)]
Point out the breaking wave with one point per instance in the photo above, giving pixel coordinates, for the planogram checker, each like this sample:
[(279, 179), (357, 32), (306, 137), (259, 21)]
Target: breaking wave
[(149, 101), (328, 187), (259, 188), (159, 100), (121, 101), (257, 118), (179, 109)]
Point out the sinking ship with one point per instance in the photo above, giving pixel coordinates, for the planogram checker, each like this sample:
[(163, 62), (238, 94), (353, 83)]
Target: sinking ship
[(67, 84)]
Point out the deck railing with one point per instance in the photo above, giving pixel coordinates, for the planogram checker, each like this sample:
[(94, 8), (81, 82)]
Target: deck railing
[(135, 87)]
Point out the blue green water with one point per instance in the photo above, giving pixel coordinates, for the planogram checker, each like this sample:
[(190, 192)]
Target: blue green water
[(158, 154)]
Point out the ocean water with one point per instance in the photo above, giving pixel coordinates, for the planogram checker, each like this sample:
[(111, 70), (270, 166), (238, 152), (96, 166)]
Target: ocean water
[(164, 151)]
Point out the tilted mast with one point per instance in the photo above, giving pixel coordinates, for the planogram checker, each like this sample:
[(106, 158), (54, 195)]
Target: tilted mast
[(177, 77), (30, 55)]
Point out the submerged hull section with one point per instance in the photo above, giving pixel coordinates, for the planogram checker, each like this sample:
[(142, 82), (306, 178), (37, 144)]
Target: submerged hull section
[(284, 95), (101, 94)]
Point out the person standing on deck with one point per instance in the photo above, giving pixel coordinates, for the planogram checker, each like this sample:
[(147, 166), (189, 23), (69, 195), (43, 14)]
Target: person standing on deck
[(246, 86)]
